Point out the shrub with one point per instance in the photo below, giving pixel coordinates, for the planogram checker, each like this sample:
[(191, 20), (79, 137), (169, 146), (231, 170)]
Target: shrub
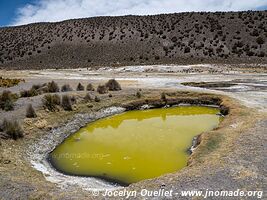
[(66, 88), (9, 105), (53, 87), (97, 99), (7, 82), (90, 87), (29, 93), (73, 99), (174, 39), (102, 89), (12, 129), (255, 33), (224, 110), (163, 96), (36, 87), (250, 53), (109, 95), (113, 85), (7, 100), (138, 94), (239, 44), (261, 54), (51, 102), (187, 50), (80, 87), (43, 89), (35, 90), (88, 97), (66, 103), (260, 40), (30, 112)]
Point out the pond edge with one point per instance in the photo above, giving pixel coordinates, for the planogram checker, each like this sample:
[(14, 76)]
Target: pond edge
[(38, 156)]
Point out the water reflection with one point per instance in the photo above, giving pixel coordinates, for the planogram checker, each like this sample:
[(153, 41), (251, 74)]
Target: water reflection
[(135, 145)]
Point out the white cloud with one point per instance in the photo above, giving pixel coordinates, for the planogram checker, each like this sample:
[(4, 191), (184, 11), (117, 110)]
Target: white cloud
[(57, 10)]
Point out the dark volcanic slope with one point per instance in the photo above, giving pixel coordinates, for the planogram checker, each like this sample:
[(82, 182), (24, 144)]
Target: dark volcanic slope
[(173, 38)]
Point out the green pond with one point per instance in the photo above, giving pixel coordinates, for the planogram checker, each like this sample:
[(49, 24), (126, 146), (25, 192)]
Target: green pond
[(134, 145)]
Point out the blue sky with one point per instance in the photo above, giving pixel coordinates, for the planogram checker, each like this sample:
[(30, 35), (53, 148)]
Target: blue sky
[(18, 12), (8, 10)]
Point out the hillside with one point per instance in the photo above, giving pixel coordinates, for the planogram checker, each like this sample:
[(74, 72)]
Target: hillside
[(232, 37)]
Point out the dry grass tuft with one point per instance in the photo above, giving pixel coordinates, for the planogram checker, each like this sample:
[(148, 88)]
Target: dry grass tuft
[(66, 88), (138, 94), (51, 102), (11, 129), (102, 89), (66, 103), (97, 99), (53, 87), (80, 87), (7, 100), (88, 97), (30, 112), (7, 82), (90, 87), (113, 85)]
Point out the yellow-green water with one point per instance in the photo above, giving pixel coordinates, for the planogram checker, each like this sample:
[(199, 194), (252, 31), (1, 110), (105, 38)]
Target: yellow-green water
[(135, 145)]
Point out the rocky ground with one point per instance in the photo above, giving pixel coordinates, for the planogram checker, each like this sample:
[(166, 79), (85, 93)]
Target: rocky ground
[(228, 158)]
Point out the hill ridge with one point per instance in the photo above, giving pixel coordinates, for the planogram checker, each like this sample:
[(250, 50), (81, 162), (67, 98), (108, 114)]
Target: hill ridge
[(179, 38)]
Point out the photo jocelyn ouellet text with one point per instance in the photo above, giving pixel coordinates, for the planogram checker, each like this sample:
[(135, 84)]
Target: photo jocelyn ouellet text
[(170, 193)]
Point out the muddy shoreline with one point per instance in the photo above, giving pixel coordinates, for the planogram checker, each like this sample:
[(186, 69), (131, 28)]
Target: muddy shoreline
[(38, 152)]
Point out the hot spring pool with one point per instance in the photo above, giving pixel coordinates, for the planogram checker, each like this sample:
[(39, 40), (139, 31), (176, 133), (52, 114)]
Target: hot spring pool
[(134, 145)]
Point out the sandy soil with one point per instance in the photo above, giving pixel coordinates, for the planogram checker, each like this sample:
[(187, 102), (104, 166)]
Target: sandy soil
[(237, 163)]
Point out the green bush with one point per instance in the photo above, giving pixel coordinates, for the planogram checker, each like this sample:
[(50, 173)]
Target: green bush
[(113, 85), (12, 129), (102, 89), (51, 102), (66, 88), (80, 87), (53, 87), (90, 87), (7, 100), (30, 112), (66, 103)]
